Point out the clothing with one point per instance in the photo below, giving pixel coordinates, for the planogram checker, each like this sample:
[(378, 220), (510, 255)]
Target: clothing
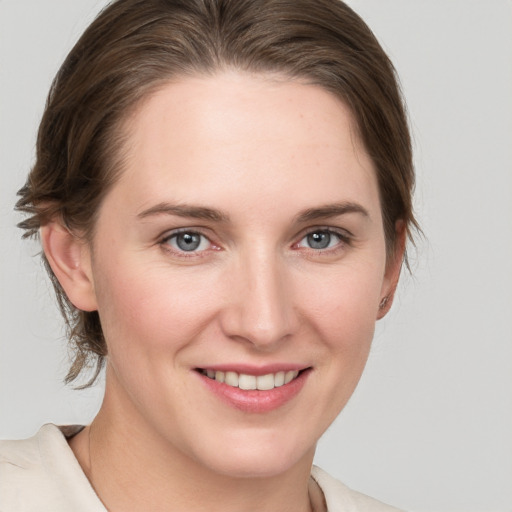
[(42, 474)]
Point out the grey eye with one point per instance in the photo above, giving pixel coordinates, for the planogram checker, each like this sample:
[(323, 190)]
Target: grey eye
[(188, 241), (319, 240)]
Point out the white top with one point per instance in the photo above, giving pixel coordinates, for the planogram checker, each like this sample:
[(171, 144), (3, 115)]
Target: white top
[(42, 474)]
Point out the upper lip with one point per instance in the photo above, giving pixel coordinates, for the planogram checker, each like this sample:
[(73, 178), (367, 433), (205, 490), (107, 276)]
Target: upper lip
[(248, 369)]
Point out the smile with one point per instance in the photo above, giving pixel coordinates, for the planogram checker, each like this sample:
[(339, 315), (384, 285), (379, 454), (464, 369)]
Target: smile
[(255, 389), (248, 382)]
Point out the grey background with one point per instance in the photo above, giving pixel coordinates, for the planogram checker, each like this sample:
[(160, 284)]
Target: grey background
[(430, 426)]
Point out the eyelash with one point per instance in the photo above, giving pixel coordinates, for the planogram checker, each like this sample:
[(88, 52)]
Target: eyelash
[(164, 243), (344, 240)]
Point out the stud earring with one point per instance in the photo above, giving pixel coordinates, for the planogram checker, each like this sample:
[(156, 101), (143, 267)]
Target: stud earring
[(384, 302)]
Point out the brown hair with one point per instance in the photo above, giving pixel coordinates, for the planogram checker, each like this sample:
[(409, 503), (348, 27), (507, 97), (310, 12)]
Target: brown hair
[(135, 46)]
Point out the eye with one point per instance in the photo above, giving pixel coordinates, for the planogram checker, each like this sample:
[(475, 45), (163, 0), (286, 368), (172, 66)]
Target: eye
[(321, 239), (187, 241)]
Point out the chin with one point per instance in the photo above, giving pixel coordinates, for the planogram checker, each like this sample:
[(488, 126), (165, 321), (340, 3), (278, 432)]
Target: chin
[(253, 467), (258, 456)]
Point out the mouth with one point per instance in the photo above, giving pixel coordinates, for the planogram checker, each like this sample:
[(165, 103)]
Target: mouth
[(254, 390), (248, 382)]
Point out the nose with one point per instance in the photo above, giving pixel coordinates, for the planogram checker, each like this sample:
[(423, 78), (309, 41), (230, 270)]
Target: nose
[(259, 308)]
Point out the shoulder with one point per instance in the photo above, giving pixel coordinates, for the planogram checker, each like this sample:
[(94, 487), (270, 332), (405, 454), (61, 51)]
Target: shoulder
[(340, 498), (22, 458), (19, 454), (41, 473)]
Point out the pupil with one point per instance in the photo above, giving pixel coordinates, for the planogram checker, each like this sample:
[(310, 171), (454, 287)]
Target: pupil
[(319, 240), (188, 241)]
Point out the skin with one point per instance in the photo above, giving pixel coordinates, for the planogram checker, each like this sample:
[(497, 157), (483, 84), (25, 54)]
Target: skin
[(261, 151)]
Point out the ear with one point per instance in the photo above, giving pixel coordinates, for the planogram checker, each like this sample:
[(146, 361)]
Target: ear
[(392, 272), (70, 259)]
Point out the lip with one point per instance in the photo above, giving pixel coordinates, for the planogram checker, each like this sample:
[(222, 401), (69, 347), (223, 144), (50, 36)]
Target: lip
[(256, 401), (256, 370)]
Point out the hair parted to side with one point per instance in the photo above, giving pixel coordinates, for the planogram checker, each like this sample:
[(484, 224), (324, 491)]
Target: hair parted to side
[(135, 46)]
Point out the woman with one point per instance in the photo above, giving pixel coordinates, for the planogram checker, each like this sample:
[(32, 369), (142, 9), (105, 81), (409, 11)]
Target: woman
[(223, 195)]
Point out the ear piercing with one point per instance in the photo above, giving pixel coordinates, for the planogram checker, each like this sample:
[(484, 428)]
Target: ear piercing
[(383, 303)]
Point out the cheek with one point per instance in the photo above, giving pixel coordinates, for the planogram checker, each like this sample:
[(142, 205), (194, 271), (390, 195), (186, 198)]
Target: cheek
[(344, 304), (341, 309), (149, 309)]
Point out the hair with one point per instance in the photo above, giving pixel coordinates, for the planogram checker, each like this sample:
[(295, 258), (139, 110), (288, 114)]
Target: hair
[(134, 47)]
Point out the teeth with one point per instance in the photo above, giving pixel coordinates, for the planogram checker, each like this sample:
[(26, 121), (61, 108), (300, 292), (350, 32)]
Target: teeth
[(231, 379), (247, 382), (265, 382), (278, 379), (289, 376)]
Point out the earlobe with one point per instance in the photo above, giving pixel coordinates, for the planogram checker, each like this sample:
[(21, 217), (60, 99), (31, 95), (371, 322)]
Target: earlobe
[(69, 258), (392, 274)]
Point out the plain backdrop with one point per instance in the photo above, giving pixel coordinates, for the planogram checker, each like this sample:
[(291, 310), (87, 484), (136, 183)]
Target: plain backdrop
[(430, 425)]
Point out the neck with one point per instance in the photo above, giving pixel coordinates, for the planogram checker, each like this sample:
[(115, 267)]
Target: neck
[(132, 468)]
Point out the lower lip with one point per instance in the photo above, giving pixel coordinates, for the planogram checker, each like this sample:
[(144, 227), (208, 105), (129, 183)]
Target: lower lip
[(254, 400)]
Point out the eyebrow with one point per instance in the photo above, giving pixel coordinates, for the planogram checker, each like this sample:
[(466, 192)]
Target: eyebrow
[(202, 212), (331, 210), (184, 210)]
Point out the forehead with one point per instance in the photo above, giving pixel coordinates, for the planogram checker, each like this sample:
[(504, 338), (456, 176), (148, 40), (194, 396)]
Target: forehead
[(210, 138)]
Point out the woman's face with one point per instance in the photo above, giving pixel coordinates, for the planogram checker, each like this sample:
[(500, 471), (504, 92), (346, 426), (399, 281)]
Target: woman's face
[(242, 243)]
